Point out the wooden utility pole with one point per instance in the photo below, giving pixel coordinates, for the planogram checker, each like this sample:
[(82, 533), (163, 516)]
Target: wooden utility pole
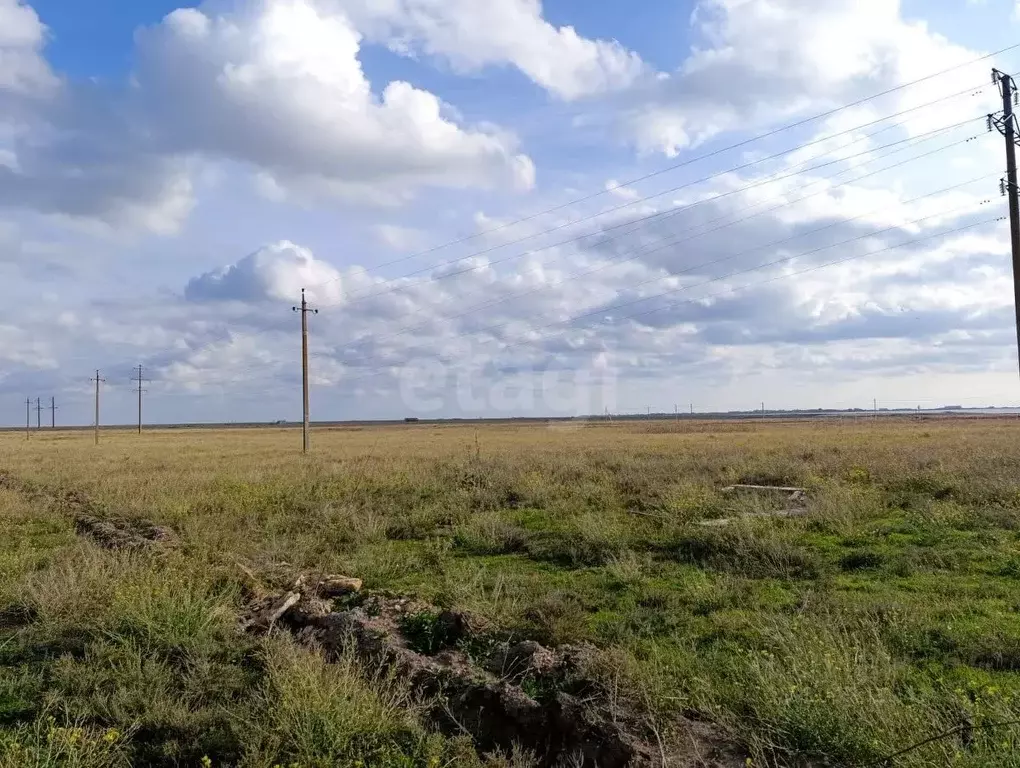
[(1006, 124), (140, 380), (28, 418), (53, 413), (98, 381), (304, 310), (38, 413)]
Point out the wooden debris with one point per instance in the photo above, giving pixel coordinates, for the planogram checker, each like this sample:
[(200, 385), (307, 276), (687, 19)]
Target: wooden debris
[(289, 601), (724, 521), (789, 489), (794, 494)]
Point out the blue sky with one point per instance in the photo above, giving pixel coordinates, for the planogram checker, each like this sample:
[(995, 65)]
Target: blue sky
[(171, 176)]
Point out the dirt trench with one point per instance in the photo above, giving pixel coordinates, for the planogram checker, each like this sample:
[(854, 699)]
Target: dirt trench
[(90, 519), (547, 701)]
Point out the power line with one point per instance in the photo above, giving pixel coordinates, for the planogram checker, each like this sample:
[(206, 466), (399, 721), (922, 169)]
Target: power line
[(644, 251), (675, 211), (776, 262), (706, 156), (692, 268), (604, 309), (396, 285), (732, 256), (915, 140), (827, 138)]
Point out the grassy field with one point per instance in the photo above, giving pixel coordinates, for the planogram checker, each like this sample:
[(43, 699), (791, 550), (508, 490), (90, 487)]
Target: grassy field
[(888, 613)]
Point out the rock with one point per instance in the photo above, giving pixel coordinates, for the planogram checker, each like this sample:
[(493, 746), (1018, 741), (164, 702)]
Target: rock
[(338, 586)]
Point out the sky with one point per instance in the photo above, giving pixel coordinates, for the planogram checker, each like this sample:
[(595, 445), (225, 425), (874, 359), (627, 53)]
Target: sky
[(508, 208)]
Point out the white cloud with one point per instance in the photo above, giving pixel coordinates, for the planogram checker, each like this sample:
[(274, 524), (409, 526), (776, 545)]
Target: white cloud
[(22, 36), (399, 237), (278, 84), (763, 60), (275, 85), (471, 35), (275, 272)]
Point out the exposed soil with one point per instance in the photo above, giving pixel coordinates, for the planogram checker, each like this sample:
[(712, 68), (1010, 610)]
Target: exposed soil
[(117, 533), (90, 520), (544, 700)]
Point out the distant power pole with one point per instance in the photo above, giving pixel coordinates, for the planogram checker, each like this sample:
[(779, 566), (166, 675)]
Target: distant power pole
[(140, 380), (38, 413), (676, 410), (53, 413), (28, 418), (304, 310), (692, 409), (1006, 124), (98, 381), (763, 411)]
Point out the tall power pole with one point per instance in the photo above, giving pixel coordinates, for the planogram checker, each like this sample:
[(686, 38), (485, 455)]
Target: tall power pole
[(304, 310), (98, 381), (53, 413), (140, 380), (38, 413), (28, 418), (1006, 124)]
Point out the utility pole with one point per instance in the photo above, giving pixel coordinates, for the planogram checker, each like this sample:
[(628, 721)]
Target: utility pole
[(28, 418), (38, 413), (98, 381), (304, 310), (676, 410), (140, 380), (53, 413), (1006, 124)]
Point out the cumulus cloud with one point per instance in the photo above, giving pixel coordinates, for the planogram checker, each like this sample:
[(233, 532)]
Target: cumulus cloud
[(275, 85), (275, 272), (278, 84), (471, 35), (762, 60), (23, 69)]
